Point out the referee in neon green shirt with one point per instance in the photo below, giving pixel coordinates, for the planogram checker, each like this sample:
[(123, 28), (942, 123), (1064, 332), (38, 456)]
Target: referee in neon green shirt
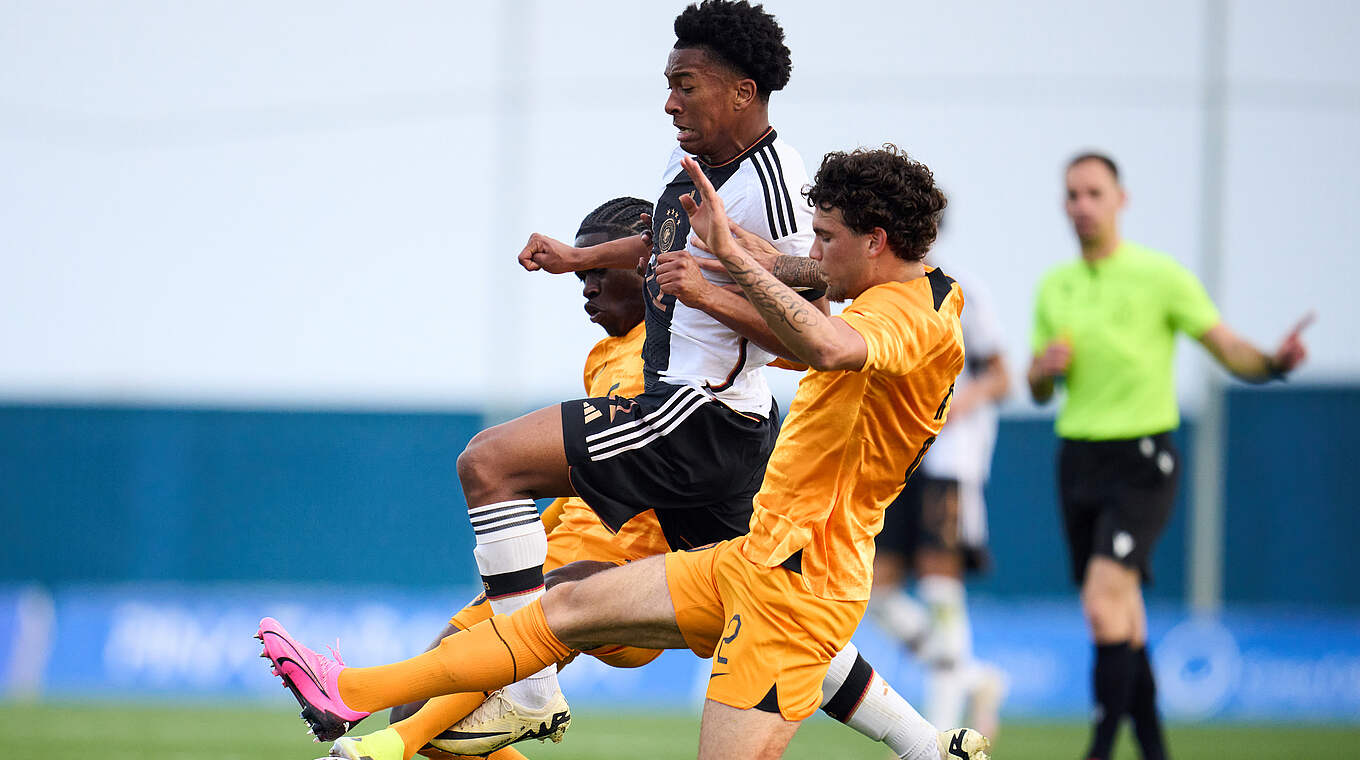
[(1106, 325)]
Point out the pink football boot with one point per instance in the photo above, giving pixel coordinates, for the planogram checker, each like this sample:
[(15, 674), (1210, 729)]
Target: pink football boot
[(313, 678)]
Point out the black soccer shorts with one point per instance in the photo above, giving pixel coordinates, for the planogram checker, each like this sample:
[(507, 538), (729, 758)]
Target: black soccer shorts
[(676, 450), (1116, 498), (925, 515)]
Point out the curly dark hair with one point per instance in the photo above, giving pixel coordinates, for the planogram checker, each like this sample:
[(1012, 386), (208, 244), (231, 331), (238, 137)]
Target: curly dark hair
[(618, 218), (740, 35), (882, 187)]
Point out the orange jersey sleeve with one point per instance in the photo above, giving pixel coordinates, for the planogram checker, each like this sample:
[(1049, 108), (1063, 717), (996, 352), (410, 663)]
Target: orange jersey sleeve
[(851, 437)]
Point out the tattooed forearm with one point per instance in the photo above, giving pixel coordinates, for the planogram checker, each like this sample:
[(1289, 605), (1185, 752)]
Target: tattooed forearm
[(798, 272), (773, 298)]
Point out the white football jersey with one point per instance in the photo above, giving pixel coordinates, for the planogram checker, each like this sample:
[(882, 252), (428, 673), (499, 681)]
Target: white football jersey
[(762, 191)]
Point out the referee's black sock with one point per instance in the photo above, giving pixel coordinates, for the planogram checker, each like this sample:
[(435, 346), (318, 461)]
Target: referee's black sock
[(1147, 726), (1113, 677)]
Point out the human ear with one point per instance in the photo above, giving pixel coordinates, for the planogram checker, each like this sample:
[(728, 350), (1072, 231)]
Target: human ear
[(878, 241), (744, 94)]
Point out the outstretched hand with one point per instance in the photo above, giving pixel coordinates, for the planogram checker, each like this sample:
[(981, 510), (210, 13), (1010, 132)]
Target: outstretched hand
[(708, 217), (1292, 350)]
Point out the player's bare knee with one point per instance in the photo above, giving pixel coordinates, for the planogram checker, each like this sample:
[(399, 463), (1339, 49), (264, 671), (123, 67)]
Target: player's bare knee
[(482, 467), (578, 610), (571, 616), (564, 613), (469, 467), (556, 604)]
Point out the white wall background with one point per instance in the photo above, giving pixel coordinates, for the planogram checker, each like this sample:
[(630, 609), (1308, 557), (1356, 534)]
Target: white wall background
[(320, 202)]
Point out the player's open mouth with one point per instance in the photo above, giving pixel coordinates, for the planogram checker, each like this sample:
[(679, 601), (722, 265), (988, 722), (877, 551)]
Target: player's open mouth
[(685, 133), (594, 312)]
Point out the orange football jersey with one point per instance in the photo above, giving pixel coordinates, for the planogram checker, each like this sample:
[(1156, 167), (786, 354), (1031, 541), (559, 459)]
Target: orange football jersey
[(852, 437)]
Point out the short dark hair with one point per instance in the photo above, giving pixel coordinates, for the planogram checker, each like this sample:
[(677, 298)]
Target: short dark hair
[(740, 35), (882, 187), (618, 218), (1092, 155)]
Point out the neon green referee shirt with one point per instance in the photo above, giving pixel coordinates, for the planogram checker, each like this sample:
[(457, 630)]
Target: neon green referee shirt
[(1120, 315)]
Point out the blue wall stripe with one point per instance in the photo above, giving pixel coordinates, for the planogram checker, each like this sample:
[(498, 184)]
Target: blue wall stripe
[(100, 493)]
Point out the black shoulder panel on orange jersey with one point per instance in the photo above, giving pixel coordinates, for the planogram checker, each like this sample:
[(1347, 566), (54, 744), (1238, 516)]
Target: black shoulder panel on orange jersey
[(940, 283)]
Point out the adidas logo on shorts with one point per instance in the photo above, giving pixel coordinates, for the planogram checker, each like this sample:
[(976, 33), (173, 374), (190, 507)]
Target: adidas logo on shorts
[(591, 412)]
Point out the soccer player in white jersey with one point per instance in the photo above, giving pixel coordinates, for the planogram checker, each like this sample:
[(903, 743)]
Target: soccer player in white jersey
[(937, 529), (693, 446)]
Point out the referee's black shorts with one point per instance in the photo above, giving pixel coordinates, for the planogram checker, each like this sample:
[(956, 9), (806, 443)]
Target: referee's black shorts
[(674, 449), (1116, 498)]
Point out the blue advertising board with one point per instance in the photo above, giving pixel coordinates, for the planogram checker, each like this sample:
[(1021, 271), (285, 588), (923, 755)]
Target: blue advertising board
[(196, 641)]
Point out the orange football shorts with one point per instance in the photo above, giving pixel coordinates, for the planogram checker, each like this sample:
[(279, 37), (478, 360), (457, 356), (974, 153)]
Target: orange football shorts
[(770, 637)]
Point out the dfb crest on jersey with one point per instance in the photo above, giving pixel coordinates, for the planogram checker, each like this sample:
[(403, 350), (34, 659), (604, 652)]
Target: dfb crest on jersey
[(669, 227)]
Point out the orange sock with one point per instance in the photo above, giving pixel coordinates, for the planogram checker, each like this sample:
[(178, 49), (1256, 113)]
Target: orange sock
[(433, 717), (472, 614), (529, 633), (485, 657), (441, 712)]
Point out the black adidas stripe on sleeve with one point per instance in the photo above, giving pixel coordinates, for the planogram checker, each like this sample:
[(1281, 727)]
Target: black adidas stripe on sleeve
[(784, 190), (776, 230)]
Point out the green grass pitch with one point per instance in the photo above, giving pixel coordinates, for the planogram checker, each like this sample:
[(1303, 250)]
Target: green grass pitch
[(152, 731)]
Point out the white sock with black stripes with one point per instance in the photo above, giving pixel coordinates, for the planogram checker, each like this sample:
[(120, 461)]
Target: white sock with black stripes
[(511, 548), (856, 695)]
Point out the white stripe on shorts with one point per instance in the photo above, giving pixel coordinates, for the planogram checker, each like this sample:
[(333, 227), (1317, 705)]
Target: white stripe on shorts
[(649, 424), (656, 433), (680, 395)]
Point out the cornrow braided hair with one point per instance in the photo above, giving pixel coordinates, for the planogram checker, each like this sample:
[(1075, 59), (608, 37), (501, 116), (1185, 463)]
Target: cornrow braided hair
[(618, 218)]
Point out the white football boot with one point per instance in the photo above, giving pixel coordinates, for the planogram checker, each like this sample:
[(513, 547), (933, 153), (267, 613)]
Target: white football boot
[(499, 722), (963, 744)]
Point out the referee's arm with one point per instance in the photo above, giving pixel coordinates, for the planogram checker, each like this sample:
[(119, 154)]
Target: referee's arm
[(1047, 366), (1249, 363)]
